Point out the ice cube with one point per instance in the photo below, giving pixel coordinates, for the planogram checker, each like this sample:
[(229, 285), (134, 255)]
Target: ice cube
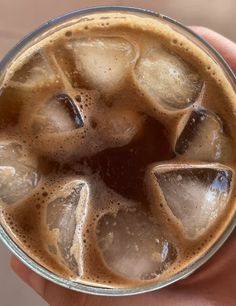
[(167, 79), (195, 195), (35, 73), (132, 245), (17, 177), (123, 125), (103, 61), (64, 214), (65, 61), (59, 114), (203, 138), (10, 151)]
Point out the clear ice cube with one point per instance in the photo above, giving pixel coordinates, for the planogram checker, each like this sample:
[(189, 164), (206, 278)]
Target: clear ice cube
[(196, 195), (103, 61), (167, 79), (63, 216), (34, 73), (17, 177), (203, 138), (60, 114), (123, 126), (10, 151), (132, 245)]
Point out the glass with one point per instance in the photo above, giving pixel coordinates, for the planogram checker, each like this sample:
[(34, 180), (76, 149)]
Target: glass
[(46, 30)]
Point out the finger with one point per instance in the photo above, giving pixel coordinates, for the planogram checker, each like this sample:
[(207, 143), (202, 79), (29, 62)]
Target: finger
[(56, 295), (30, 278), (222, 264), (223, 45), (51, 293), (216, 280)]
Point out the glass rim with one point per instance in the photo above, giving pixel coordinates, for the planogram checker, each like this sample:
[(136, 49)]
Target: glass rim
[(92, 289)]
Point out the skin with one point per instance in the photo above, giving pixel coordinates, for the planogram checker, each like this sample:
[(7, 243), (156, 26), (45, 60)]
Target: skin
[(212, 285)]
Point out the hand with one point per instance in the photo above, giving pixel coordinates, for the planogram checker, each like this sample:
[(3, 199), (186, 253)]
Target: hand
[(213, 285)]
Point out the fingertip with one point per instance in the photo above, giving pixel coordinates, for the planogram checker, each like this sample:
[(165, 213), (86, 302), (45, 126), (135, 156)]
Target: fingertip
[(20, 269), (225, 46), (210, 35), (28, 276), (37, 283), (200, 29)]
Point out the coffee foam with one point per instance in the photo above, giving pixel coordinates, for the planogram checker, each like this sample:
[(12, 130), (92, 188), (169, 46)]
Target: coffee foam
[(53, 54)]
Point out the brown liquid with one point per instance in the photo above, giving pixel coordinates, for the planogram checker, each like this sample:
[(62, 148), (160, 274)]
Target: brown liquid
[(104, 140), (123, 169)]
